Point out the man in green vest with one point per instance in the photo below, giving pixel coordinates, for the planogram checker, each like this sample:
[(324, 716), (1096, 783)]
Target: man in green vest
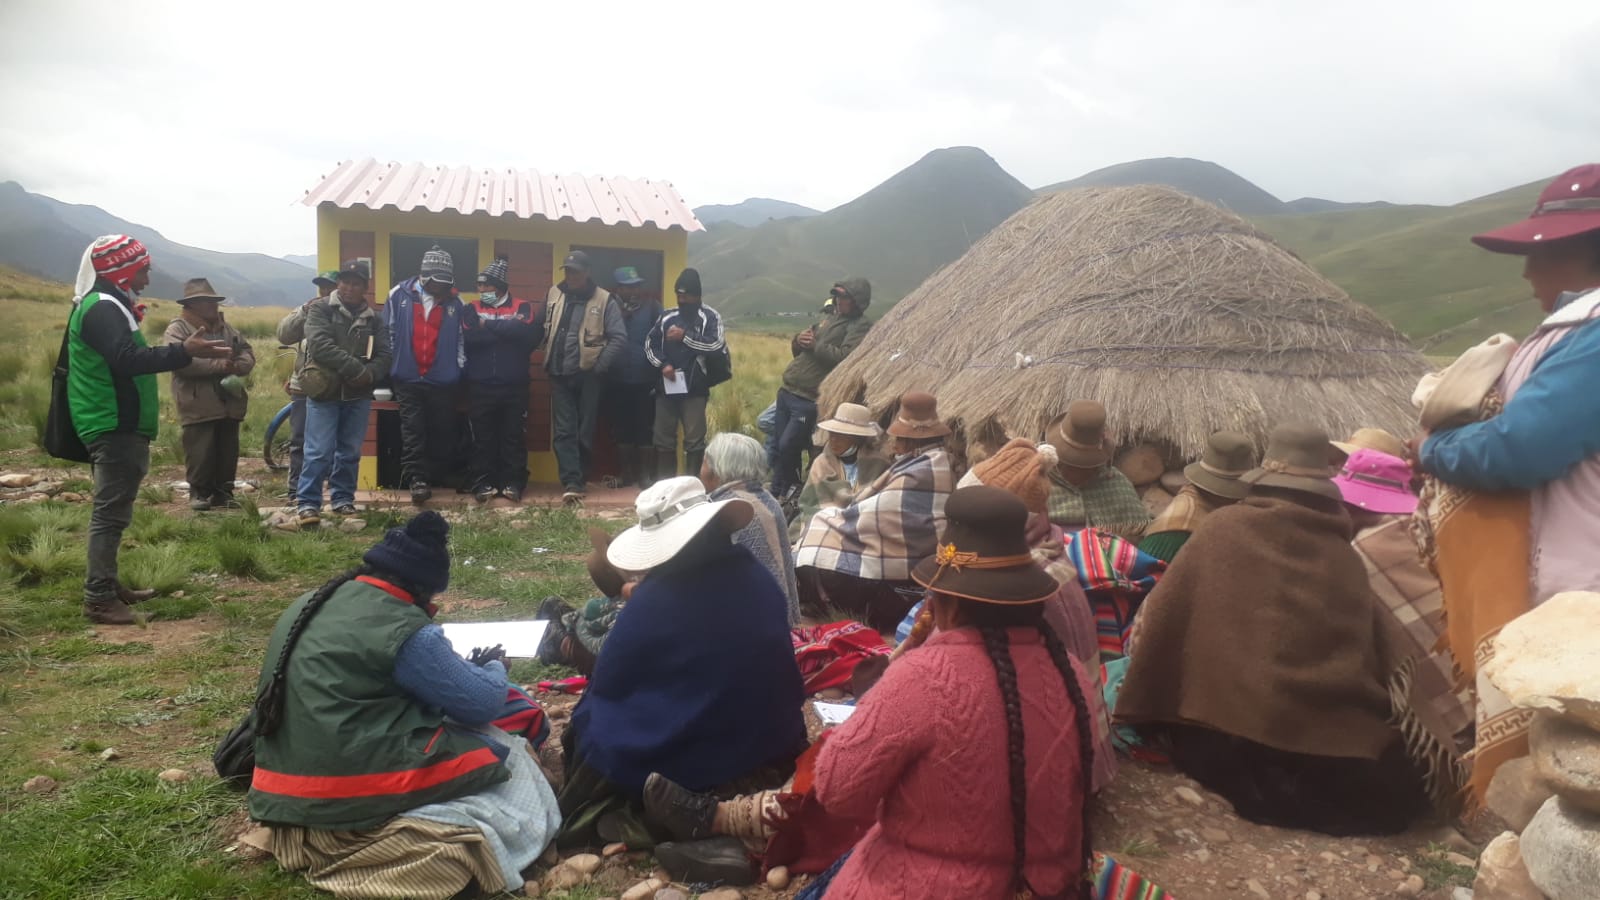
[(584, 336), (111, 392)]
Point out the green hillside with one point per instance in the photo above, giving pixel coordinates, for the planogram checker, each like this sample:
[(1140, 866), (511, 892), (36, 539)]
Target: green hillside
[(1417, 267)]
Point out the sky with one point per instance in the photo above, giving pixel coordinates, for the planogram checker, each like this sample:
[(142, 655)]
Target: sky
[(208, 121)]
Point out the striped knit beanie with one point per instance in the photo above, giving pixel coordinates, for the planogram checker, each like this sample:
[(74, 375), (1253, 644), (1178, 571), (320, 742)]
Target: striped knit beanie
[(117, 258), (438, 266), (496, 273)]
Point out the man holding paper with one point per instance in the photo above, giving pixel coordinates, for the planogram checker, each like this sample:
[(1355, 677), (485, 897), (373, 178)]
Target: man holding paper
[(688, 346)]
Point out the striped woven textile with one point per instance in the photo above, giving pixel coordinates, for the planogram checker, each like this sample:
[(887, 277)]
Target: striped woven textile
[(1114, 881), (1116, 576), (405, 858)]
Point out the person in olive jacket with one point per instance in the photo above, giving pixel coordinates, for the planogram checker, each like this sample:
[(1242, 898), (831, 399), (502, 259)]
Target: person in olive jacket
[(210, 398), (817, 350)]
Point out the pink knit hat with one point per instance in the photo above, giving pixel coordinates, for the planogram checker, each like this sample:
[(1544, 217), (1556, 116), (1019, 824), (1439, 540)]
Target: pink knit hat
[(1377, 482)]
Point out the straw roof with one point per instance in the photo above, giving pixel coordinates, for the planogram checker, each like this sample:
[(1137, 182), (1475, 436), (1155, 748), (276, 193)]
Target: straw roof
[(1181, 318)]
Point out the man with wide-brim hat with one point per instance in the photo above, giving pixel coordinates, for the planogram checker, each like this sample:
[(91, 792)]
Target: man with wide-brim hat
[(1085, 490), (858, 558), (1213, 483), (1546, 440), (210, 397), (1262, 658), (696, 679)]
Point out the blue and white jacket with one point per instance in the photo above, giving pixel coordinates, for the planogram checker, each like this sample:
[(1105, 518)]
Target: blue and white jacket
[(449, 361), (702, 334)]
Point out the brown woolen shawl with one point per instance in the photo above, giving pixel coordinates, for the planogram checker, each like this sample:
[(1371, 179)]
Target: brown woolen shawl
[(1266, 628)]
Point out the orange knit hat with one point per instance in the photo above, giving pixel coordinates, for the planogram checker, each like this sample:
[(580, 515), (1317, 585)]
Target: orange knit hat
[(1022, 468)]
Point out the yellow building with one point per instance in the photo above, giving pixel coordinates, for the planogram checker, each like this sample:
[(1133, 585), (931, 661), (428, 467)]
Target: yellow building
[(390, 213)]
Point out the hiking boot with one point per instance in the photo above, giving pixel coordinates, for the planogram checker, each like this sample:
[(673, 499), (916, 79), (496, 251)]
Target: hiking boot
[(130, 596), (225, 501), (200, 504), (687, 815), (345, 509), (484, 494), (420, 492), (718, 860), (309, 518), (108, 611)]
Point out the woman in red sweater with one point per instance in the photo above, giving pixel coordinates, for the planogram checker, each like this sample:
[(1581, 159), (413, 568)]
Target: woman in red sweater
[(972, 753)]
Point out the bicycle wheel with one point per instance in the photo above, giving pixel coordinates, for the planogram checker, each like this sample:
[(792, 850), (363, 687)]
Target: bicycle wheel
[(275, 448)]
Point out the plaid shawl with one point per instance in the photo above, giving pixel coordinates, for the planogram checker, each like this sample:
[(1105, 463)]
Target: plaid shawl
[(893, 524), (1116, 576), (1436, 719), (1108, 503)]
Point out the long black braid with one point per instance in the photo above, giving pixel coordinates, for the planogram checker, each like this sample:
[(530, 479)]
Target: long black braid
[(998, 645), (269, 700)]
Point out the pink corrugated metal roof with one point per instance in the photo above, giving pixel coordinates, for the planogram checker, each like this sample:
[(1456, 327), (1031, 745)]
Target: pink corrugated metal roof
[(504, 192)]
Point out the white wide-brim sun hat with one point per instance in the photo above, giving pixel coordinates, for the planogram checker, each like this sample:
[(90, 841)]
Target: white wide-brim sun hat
[(671, 513)]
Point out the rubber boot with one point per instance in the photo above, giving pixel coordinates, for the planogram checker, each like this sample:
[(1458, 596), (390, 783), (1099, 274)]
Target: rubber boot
[(628, 461), (691, 462), (645, 461), (666, 464)]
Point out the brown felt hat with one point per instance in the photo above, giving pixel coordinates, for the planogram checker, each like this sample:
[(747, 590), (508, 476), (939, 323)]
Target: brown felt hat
[(1079, 435), (1296, 460), (918, 417), (1229, 455), (199, 289), (984, 554)]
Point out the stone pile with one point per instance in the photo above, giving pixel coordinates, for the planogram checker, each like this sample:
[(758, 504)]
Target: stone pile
[(1548, 660), (1157, 474)]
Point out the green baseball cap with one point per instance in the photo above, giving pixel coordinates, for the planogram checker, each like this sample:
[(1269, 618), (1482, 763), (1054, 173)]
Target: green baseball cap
[(330, 277)]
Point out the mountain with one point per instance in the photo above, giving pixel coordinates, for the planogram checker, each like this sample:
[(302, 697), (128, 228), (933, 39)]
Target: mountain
[(1206, 180), (1319, 205), (45, 237), (895, 234), (309, 260), (751, 212)]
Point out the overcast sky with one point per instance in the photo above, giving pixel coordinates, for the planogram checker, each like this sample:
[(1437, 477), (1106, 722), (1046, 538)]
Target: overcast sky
[(209, 120)]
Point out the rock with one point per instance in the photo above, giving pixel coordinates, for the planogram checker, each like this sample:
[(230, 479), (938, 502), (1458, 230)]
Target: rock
[(1173, 481), (1549, 657), (614, 850), (550, 857), (1255, 887), (18, 480), (586, 864), (70, 497), (109, 754), (644, 890), (723, 894), (175, 776), (1411, 887), (352, 525), (531, 889), (1516, 793), (179, 595), (1395, 875), (283, 520), (39, 784), (562, 877), (778, 878), (1446, 836), (1501, 874), (244, 487), (1567, 757), (38, 497), (1461, 893), (671, 893), (1456, 859), (1143, 464), (1215, 835), (1561, 848), (1313, 895), (1189, 795), (1156, 499)]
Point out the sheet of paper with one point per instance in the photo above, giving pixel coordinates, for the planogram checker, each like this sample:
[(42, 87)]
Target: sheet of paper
[(677, 384), (833, 713), (521, 639)]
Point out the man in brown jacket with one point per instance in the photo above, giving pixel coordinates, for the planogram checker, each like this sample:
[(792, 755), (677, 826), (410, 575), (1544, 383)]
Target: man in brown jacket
[(210, 397)]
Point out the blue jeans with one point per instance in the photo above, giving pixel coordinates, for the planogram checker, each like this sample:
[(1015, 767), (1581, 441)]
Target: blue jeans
[(575, 407), (334, 429), (797, 418)]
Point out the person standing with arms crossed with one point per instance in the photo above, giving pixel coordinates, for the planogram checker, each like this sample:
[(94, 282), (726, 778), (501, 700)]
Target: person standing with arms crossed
[(682, 345), (817, 350)]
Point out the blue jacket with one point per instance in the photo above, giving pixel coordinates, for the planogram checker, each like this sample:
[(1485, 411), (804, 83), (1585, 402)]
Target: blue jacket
[(448, 361), (500, 340), (1548, 428), (702, 334), (697, 679), (634, 367)]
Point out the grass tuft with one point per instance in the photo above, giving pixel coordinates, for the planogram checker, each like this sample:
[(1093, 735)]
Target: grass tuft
[(52, 553), (243, 558), (163, 568)]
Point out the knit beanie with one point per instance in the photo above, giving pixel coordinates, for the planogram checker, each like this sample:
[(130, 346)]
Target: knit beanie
[(419, 553), (437, 266), (114, 257), (495, 273), (688, 283), (1020, 468)]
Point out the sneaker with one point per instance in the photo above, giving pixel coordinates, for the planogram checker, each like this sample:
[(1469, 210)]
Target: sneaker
[(420, 492), (718, 860), (484, 494), (573, 499), (687, 815), (225, 502), (200, 504), (108, 611), (512, 494), (345, 509), (309, 518)]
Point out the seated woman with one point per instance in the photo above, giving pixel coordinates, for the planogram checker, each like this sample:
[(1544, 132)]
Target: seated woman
[(574, 636), (378, 766), (735, 468), (1085, 490), (849, 460), (1261, 657), (972, 753), (697, 678), (858, 559)]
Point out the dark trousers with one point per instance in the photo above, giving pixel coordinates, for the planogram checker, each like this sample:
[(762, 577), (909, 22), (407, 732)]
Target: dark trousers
[(575, 407), (427, 432), (681, 409), (797, 419), (631, 410), (211, 458), (297, 438), (121, 460), (824, 594), (499, 417)]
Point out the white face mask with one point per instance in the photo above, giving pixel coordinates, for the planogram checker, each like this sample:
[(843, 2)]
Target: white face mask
[(488, 297)]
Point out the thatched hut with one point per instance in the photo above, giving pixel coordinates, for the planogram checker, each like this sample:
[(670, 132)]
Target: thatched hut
[(1180, 317)]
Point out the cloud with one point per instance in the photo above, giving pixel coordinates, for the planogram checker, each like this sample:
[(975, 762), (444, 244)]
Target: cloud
[(209, 121)]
